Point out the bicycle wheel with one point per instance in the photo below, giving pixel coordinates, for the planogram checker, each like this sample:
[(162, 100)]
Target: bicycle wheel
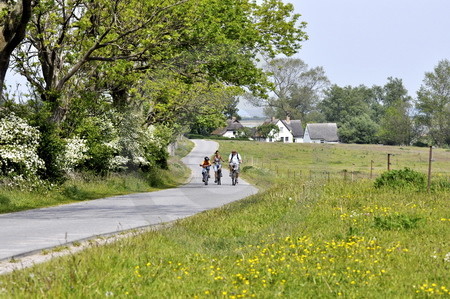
[(233, 178), (219, 175), (205, 177)]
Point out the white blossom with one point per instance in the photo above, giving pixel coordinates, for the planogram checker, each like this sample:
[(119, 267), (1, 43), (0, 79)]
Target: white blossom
[(18, 148)]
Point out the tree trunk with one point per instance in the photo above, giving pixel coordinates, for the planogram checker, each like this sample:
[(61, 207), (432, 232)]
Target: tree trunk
[(12, 32)]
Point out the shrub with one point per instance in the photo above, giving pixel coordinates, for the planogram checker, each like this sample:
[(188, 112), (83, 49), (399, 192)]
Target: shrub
[(398, 179), (19, 143)]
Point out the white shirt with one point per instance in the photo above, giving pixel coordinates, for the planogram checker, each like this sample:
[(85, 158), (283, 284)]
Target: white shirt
[(235, 158)]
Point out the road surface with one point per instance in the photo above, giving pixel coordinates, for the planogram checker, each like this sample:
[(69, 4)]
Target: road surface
[(24, 233)]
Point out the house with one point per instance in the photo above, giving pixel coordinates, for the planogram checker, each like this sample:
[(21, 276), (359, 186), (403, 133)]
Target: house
[(288, 131), (231, 130), (321, 133)]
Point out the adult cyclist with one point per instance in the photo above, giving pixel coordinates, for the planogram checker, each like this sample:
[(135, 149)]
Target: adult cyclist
[(234, 159), (217, 159)]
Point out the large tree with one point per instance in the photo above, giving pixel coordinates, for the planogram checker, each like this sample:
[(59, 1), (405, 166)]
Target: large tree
[(117, 41), (433, 104), (396, 126), (14, 17), (355, 110), (297, 89)]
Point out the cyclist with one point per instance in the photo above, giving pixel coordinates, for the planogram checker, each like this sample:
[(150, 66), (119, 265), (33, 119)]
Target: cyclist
[(206, 165), (234, 159), (217, 159)]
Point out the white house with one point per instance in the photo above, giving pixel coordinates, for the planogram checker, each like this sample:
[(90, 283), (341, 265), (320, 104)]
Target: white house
[(321, 133), (231, 130), (288, 131)]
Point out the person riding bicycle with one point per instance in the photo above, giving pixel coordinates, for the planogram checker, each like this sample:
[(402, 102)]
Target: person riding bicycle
[(234, 160), (206, 165), (217, 159)]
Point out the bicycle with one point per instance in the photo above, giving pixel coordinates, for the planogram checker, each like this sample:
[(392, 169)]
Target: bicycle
[(205, 174), (218, 173), (234, 173)]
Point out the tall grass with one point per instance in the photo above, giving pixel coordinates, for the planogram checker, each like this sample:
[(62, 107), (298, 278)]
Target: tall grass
[(299, 239), (85, 186)]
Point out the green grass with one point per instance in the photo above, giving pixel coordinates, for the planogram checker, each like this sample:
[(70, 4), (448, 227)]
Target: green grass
[(300, 238), (334, 161), (87, 187)]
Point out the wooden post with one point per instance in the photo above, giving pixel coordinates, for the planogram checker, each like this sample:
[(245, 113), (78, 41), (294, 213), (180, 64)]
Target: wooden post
[(389, 162), (429, 168), (371, 168)]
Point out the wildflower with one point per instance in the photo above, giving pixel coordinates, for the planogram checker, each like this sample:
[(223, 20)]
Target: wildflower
[(447, 257)]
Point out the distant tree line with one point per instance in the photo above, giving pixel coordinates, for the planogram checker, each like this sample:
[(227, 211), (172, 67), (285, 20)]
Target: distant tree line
[(378, 114)]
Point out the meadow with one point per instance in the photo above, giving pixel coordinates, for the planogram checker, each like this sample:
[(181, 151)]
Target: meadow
[(302, 236)]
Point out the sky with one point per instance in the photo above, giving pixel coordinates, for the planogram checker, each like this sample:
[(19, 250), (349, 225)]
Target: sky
[(365, 42)]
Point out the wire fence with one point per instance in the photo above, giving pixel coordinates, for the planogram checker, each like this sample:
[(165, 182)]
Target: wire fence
[(345, 173)]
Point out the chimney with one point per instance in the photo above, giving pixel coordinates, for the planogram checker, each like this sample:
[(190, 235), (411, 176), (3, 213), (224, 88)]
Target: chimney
[(288, 119), (273, 118)]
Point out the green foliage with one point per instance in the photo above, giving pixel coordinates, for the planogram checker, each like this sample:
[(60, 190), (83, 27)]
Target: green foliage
[(396, 125), (359, 129), (342, 104), (396, 222), (267, 130), (297, 89), (433, 102), (399, 179)]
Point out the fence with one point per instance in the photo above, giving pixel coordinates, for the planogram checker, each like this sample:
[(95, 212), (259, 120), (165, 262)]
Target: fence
[(348, 173)]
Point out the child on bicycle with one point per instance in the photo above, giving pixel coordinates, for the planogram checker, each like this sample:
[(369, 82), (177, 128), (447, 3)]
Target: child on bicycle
[(206, 165)]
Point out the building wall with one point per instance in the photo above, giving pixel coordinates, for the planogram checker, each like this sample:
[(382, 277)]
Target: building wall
[(229, 134)]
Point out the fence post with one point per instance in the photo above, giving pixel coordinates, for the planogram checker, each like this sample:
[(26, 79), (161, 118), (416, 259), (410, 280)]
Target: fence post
[(429, 168), (371, 168)]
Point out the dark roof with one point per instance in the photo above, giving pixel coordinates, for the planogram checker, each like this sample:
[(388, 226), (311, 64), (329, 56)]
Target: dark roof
[(295, 126), (232, 125), (323, 131)]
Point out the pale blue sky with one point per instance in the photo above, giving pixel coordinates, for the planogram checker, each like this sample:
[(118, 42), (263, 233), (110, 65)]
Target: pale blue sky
[(365, 42)]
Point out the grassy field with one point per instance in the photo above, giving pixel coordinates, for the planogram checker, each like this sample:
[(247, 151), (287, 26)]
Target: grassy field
[(299, 238), (86, 186), (336, 160)]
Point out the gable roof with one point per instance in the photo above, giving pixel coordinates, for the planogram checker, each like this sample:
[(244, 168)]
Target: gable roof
[(232, 125), (323, 131), (295, 126)]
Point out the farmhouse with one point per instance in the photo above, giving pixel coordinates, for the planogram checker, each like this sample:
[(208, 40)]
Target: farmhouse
[(288, 131), (231, 130), (321, 133)]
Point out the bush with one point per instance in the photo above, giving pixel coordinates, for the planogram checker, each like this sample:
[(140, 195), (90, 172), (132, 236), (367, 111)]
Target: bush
[(399, 179), (19, 149)]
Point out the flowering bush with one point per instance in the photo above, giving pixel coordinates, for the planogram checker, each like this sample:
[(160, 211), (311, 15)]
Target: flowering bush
[(18, 149), (75, 153)]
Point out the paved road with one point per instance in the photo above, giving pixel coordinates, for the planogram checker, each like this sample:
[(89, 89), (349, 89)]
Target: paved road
[(23, 233)]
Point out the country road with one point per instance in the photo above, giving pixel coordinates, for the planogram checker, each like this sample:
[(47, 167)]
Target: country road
[(23, 233)]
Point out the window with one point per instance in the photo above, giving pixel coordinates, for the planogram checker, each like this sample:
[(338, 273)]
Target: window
[(286, 139)]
